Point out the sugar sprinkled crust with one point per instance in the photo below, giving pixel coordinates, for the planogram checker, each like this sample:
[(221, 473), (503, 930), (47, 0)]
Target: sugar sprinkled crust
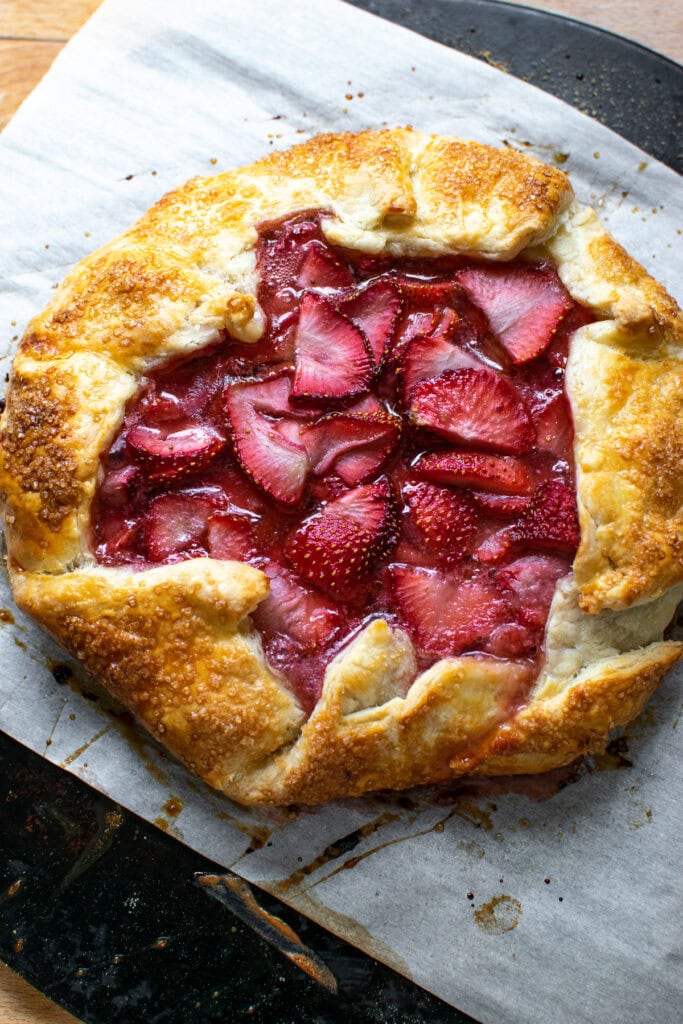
[(176, 645)]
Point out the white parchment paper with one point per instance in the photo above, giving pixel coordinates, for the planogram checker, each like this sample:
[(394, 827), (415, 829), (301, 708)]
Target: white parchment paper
[(575, 900)]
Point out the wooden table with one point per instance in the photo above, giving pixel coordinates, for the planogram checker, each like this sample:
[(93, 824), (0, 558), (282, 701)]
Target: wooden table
[(32, 32)]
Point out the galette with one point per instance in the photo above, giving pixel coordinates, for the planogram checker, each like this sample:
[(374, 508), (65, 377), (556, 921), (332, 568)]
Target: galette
[(357, 468)]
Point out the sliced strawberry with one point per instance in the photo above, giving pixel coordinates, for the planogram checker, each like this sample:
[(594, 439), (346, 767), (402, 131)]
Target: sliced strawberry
[(421, 292), (510, 640), (273, 460), (354, 445), (280, 257), (229, 536), (430, 356), (474, 406), (242, 496), (117, 485), (320, 269), (446, 614), (446, 325), (558, 350), (332, 356), (551, 521), (497, 473), (524, 305), (375, 311), (531, 582), (554, 426), (413, 325), (293, 610), (504, 506), (179, 394), (445, 519), (170, 455), (332, 553), (337, 548), (276, 346), (176, 522), (116, 532), (495, 546), (371, 507)]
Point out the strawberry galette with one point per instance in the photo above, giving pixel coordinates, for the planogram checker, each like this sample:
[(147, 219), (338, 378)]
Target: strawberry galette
[(357, 468)]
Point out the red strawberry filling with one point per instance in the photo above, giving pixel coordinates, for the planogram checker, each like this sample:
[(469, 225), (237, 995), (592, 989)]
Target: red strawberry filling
[(397, 445)]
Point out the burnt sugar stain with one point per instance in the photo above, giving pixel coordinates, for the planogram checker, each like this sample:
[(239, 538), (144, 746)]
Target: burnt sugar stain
[(614, 756), (499, 915), (259, 836), (62, 673), (76, 754), (337, 849), (476, 815), (6, 616), (173, 806), (156, 773)]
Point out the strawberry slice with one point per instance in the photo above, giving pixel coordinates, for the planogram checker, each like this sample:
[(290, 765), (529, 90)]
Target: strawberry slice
[(332, 356), (554, 426), (511, 640), (414, 325), (371, 507), (498, 473), (293, 610), (185, 392), (430, 356), (320, 269), (176, 523), (501, 505), (273, 460), (280, 257), (421, 292), (524, 305), (170, 455), (116, 532), (474, 406), (551, 521), (531, 583), (446, 614), (242, 496), (338, 547), (229, 536), (495, 546), (117, 485), (446, 520), (375, 311), (446, 325), (353, 444)]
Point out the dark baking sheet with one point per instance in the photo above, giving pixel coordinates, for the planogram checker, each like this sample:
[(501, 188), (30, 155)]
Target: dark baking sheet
[(101, 910), (632, 90)]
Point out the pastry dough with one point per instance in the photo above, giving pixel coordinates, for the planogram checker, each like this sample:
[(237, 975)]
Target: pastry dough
[(176, 643)]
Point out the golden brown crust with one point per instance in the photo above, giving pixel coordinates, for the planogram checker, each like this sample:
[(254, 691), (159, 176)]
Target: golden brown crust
[(552, 733), (176, 644), (625, 379)]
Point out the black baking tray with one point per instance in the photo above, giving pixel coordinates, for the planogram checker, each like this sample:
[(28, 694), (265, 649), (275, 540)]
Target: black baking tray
[(102, 911)]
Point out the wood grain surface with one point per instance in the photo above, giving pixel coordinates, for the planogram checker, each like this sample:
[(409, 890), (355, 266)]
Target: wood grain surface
[(32, 32), (22, 1004)]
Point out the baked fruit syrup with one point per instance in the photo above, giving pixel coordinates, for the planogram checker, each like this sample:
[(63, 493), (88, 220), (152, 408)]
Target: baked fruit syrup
[(397, 445)]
